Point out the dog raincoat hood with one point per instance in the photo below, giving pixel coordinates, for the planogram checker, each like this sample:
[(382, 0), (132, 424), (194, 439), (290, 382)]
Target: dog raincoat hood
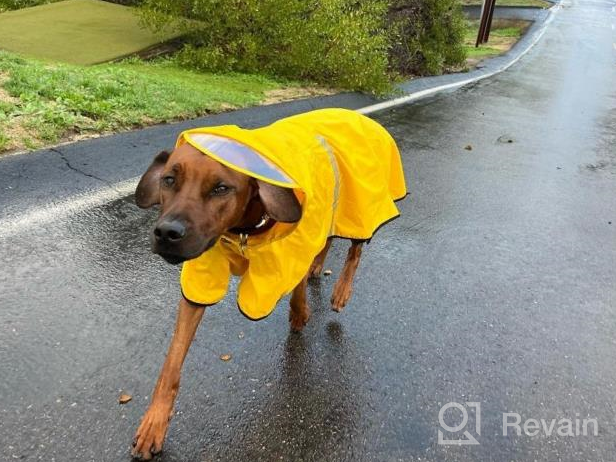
[(345, 170)]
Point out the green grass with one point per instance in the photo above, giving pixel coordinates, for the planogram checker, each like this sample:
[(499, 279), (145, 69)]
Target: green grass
[(526, 3), (503, 35), (76, 32), (514, 32), (481, 52), (4, 141), (42, 103)]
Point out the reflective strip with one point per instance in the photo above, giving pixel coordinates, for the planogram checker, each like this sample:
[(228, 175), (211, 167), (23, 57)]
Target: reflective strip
[(239, 157), (334, 163)]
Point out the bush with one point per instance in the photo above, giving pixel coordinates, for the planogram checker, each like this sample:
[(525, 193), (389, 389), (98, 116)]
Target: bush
[(427, 36), (341, 43), (356, 44)]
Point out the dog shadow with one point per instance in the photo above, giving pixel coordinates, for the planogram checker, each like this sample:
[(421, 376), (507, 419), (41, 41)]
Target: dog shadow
[(314, 407)]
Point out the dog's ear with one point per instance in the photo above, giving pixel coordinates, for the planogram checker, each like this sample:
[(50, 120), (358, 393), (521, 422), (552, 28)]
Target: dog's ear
[(148, 189), (280, 203)]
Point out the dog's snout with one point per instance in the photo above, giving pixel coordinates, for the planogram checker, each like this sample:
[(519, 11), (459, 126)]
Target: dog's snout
[(170, 231)]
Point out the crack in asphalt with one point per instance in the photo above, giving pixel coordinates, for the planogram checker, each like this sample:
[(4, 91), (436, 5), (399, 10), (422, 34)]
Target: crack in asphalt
[(75, 169), (110, 184)]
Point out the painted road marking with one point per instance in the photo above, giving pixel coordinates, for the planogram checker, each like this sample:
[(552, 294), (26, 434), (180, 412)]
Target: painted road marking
[(41, 215)]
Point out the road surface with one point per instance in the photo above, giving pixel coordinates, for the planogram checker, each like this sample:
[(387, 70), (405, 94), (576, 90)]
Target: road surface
[(496, 286)]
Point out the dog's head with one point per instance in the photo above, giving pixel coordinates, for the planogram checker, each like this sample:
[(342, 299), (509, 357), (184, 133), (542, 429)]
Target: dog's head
[(201, 199)]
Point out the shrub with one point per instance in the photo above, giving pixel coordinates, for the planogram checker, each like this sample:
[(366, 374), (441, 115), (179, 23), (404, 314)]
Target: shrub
[(427, 36), (342, 43), (357, 44)]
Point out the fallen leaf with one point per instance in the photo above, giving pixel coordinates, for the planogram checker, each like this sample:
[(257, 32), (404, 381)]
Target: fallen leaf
[(123, 399), (327, 272), (225, 357)]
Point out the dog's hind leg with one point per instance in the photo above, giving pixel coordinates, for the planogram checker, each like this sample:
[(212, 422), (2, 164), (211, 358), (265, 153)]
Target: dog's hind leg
[(344, 285), (319, 260), (300, 311)]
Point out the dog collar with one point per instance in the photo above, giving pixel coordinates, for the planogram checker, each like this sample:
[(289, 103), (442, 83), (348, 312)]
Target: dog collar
[(264, 223), (264, 220)]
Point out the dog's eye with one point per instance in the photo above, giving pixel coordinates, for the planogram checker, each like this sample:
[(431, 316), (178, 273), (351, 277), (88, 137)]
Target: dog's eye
[(168, 181), (220, 190)]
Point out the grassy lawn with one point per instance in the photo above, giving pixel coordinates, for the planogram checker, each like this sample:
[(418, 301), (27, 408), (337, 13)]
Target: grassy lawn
[(504, 34), (76, 32), (527, 3), (42, 103)]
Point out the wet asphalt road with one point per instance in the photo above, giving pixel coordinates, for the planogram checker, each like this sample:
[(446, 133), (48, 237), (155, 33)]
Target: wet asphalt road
[(495, 286)]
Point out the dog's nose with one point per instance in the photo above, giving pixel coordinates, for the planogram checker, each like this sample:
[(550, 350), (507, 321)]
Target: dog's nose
[(170, 231)]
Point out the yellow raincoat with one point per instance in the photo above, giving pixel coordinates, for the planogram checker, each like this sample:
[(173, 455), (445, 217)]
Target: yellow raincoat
[(345, 170)]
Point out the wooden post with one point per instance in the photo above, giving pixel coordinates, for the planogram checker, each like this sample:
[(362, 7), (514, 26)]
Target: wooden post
[(489, 22), (485, 23)]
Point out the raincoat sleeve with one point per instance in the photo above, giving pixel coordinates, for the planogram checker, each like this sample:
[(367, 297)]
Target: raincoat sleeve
[(204, 280)]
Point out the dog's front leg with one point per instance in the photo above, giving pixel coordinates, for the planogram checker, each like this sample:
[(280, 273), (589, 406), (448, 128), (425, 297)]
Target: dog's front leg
[(153, 428)]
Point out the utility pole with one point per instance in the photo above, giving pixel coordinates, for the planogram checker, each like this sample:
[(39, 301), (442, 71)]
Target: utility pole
[(485, 24)]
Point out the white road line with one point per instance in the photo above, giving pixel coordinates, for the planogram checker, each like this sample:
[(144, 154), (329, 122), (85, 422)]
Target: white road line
[(41, 215)]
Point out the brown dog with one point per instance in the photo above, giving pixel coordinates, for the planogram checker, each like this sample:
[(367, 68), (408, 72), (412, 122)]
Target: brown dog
[(189, 224), (204, 202)]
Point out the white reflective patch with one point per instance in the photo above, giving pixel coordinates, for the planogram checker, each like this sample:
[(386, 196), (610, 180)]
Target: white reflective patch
[(240, 156), (334, 163)]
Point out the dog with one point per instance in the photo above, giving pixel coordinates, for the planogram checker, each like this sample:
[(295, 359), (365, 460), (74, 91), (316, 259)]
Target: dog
[(264, 205)]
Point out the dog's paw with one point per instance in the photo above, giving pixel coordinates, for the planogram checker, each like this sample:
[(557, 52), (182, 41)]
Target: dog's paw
[(298, 319), (151, 433), (340, 297), (315, 270)]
